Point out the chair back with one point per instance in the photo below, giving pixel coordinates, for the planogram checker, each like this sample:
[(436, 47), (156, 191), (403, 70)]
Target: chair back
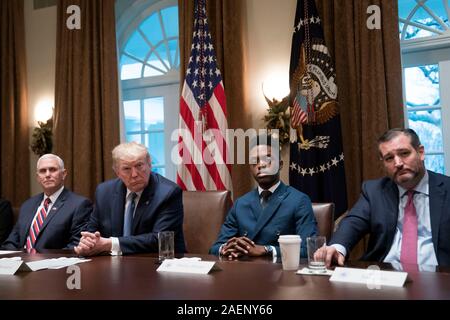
[(324, 213), (204, 214)]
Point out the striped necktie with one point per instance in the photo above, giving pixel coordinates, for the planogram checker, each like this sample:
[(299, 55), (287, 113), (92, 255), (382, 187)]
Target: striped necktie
[(36, 225)]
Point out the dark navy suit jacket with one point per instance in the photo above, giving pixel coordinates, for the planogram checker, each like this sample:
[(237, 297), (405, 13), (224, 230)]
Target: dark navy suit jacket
[(160, 208), (62, 227), (376, 213), (6, 219), (289, 211)]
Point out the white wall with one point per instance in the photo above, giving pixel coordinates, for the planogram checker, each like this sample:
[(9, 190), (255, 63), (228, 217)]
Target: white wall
[(270, 25), (40, 42)]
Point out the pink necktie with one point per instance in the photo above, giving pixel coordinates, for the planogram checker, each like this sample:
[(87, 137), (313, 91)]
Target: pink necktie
[(408, 253)]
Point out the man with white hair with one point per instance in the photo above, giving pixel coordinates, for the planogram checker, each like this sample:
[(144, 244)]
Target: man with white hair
[(130, 211), (52, 219)]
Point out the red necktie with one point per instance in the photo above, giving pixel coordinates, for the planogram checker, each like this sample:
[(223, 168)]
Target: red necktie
[(36, 225), (408, 253)]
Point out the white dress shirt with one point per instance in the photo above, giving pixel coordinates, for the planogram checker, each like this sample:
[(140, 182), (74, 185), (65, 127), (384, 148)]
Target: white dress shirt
[(53, 199), (115, 243)]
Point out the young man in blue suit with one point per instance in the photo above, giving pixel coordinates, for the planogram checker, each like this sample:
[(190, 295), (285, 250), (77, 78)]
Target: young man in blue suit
[(130, 211), (259, 217), (406, 214), (52, 219)]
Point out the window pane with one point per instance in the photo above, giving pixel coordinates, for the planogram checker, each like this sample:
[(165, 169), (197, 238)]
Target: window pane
[(152, 29), (156, 62), (405, 7), (423, 17), (131, 69), (151, 72), (435, 163), (162, 53), (160, 170), (154, 113), (170, 20), (155, 144), (422, 85), (132, 110), (137, 47), (173, 47), (134, 137), (428, 126)]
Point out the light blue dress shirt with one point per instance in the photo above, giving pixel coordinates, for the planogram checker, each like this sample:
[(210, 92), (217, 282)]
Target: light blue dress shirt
[(425, 249)]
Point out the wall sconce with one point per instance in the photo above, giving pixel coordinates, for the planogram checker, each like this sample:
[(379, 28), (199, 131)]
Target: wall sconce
[(278, 116), (41, 139)]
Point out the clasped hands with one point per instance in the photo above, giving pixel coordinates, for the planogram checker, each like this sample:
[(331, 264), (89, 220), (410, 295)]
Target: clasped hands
[(240, 246), (92, 244)]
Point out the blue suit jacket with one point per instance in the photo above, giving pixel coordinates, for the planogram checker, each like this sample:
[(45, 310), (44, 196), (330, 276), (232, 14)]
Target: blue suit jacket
[(6, 219), (289, 211), (62, 227), (160, 208), (376, 213)]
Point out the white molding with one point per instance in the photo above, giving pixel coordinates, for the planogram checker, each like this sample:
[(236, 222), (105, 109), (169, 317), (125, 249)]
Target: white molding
[(444, 78), (427, 43)]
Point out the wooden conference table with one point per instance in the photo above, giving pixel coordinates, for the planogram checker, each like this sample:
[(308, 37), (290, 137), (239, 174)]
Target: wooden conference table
[(135, 277)]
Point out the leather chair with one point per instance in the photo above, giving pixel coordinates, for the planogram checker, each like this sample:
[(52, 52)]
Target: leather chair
[(204, 214), (324, 213)]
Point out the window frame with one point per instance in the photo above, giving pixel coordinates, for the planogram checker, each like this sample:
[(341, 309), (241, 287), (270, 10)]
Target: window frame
[(166, 86), (426, 51)]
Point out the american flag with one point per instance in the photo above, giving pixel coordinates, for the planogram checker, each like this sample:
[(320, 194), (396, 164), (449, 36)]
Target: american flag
[(202, 143), (298, 115)]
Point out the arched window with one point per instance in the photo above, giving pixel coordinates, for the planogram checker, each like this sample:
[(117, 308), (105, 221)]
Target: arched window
[(149, 58), (424, 30)]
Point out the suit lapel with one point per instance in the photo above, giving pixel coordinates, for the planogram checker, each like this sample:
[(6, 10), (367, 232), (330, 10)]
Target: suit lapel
[(391, 199), (274, 203), (255, 204), (30, 216), (145, 202), (437, 198), (56, 207), (118, 207)]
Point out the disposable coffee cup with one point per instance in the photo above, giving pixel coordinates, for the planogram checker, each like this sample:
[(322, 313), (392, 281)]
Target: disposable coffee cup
[(290, 251)]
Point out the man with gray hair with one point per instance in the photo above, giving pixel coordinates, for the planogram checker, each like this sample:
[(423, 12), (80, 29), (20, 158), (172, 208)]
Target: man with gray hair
[(130, 211), (52, 219)]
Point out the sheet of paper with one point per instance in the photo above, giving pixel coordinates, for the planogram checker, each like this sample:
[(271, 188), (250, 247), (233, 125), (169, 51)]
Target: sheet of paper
[(309, 272), (186, 265), (3, 252), (373, 278), (9, 266), (56, 263)]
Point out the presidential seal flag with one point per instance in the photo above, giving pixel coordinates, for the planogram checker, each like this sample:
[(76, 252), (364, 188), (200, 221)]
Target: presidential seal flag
[(316, 164), (202, 143)]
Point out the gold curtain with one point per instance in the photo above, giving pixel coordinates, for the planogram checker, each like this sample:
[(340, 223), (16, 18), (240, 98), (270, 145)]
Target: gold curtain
[(14, 139), (86, 98), (369, 78), (368, 72), (226, 23)]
